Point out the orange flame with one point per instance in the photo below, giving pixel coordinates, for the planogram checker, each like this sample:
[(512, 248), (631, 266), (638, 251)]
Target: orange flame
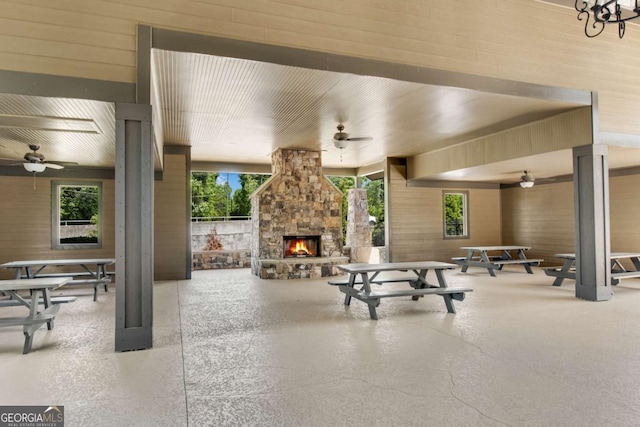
[(301, 247), (298, 248)]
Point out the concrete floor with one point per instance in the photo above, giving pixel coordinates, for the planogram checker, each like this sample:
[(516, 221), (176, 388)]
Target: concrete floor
[(231, 349)]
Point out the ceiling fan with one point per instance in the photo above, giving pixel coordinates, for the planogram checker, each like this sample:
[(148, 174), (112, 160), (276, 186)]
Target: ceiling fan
[(34, 161), (341, 139), (527, 180)]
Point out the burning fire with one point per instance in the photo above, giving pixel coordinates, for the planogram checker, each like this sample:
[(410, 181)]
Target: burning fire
[(299, 248)]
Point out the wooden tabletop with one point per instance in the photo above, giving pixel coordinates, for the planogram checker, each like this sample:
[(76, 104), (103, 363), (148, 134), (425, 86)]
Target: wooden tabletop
[(71, 261), (495, 248), (396, 266), (27, 284)]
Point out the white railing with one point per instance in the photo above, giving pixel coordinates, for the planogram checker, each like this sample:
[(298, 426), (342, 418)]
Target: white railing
[(219, 218)]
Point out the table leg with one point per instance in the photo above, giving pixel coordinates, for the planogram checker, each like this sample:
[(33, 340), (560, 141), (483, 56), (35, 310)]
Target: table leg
[(521, 255), (373, 303), (351, 284), (485, 258), (103, 273), (448, 300), (467, 259), (420, 282), (568, 263), (28, 328), (616, 263), (46, 296)]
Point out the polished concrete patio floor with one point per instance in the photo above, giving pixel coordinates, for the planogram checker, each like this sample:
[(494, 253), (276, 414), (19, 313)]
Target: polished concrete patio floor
[(231, 349)]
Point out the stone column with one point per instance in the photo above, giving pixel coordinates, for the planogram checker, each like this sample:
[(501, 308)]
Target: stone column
[(358, 229)]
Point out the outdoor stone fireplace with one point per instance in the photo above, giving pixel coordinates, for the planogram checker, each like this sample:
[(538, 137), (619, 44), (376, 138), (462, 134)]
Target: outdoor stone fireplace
[(296, 220)]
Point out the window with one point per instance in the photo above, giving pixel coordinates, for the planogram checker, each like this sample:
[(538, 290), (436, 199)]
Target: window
[(456, 213), (76, 215)]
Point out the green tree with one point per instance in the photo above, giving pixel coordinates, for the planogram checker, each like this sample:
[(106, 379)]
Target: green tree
[(201, 192), (375, 199), (78, 202), (453, 213), (344, 184), (241, 198), (208, 198)]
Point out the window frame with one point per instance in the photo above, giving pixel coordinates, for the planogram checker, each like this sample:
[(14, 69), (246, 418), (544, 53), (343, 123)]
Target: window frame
[(466, 231), (56, 185)]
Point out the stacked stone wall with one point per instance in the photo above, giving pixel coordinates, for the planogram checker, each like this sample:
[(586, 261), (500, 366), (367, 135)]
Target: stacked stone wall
[(298, 200)]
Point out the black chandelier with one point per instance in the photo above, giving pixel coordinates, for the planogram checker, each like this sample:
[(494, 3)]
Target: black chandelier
[(598, 13)]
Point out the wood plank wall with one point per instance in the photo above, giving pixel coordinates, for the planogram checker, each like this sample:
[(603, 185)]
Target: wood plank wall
[(543, 217), (540, 217), (521, 40), (170, 216), (25, 222), (416, 220)]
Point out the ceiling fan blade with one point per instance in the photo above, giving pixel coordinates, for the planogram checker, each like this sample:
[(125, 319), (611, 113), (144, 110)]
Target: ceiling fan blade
[(9, 162), (360, 138), (62, 163), (53, 166)]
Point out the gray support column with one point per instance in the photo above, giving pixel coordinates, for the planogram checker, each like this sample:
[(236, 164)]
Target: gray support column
[(591, 201), (134, 227)]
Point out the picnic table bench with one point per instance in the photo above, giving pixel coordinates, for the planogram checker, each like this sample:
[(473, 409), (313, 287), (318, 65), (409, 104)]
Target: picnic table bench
[(92, 271), (418, 282), (35, 319), (618, 271), (495, 262)]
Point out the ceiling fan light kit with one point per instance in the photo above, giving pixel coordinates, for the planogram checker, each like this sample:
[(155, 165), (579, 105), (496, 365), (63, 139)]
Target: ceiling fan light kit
[(527, 180), (340, 143), (34, 167)]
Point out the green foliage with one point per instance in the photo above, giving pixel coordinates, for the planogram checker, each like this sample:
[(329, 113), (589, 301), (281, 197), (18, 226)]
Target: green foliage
[(242, 197), (94, 233), (377, 234), (344, 184), (208, 198), (375, 199), (454, 214), (77, 203)]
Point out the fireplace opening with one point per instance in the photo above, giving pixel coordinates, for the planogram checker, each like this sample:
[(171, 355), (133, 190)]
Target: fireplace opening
[(301, 246)]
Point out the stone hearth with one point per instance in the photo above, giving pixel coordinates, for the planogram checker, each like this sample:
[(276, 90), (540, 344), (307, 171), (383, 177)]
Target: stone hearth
[(298, 200)]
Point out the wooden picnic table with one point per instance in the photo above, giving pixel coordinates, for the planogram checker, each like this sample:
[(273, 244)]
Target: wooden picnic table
[(93, 270), (486, 257), (618, 271), (417, 281), (35, 319)]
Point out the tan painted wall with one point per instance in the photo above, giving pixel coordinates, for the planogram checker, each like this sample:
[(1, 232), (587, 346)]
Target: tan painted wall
[(170, 213), (25, 222), (416, 221), (624, 213), (522, 40), (542, 217)]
